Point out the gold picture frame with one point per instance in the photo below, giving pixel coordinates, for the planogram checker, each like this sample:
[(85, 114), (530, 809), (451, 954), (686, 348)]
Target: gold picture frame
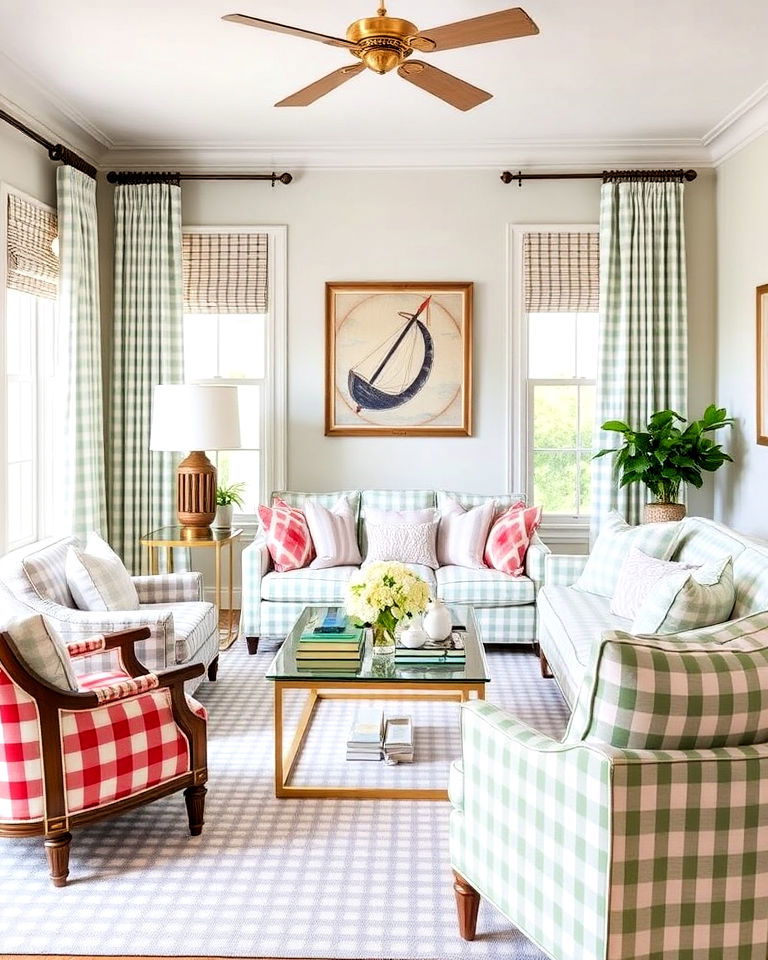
[(398, 359), (762, 364)]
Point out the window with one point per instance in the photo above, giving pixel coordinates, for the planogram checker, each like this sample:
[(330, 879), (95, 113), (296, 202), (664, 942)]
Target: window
[(234, 334), (32, 383), (558, 317)]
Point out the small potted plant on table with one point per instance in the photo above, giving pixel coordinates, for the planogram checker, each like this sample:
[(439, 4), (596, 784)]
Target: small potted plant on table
[(226, 497), (665, 455)]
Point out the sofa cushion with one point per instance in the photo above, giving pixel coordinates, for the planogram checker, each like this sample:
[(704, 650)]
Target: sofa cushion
[(97, 577), (502, 501), (486, 588), (660, 694), (750, 580), (697, 599), (298, 498), (573, 621), (44, 569), (307, 585), (193, 624), (42, 651), (613, 544)]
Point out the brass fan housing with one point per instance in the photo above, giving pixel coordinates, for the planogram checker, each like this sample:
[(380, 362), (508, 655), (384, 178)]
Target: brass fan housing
[(381, 42)]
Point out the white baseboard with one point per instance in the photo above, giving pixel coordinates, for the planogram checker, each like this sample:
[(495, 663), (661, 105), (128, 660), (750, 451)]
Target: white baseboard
[(209, 594)]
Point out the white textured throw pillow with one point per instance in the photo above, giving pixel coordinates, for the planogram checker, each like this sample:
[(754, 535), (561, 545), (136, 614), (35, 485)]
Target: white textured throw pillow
[(638, 576), (42, 651), (462, 534), (333, 534), (390, 537), (700, 598), (613, 544), (97, 577)]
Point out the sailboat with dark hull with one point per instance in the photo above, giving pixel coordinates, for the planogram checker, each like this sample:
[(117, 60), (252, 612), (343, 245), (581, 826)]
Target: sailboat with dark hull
[(363, 391)]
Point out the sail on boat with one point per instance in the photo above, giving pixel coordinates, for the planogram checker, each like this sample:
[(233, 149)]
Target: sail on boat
[(393, 381)]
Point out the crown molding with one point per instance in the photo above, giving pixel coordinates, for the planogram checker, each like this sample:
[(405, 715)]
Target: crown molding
[(740, 127), (52, 116), (557, 154)]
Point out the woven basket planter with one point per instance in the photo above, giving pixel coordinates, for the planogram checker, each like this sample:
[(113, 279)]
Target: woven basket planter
[(663, 512)]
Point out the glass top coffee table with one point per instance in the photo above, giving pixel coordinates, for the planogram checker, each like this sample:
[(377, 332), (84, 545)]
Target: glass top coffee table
[(377, 678)]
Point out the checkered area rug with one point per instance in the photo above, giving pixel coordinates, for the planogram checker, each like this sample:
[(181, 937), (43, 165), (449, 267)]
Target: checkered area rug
[(276, 878)]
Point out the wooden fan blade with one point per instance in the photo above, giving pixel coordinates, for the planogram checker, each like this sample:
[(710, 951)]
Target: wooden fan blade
[(307, 95), (283, 28), (458, 93), (502, 25)]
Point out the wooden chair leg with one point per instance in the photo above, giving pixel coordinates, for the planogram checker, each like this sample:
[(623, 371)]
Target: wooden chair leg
[(57, 852), (194, 797), (546, 672), (213, 668), (467, 905), (253, 644)]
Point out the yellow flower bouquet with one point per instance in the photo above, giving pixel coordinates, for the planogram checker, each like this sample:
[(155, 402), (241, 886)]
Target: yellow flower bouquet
[(383, 594)]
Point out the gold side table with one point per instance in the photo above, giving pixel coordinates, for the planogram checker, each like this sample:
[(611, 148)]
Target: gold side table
[(166, 538)]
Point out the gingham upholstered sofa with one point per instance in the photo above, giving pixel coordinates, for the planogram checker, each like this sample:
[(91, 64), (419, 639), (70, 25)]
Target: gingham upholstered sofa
[(570, 621), (643, 835), (505, 606), (183, 627)]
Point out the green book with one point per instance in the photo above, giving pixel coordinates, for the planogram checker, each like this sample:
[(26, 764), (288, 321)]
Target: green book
[(351, 637)]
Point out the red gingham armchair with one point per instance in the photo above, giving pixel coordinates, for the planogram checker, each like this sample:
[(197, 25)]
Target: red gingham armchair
[(124, 738)]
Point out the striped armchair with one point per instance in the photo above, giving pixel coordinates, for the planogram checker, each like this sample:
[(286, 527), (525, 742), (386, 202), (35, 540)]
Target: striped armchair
[(181, 626), (643, 835), (76, 750)]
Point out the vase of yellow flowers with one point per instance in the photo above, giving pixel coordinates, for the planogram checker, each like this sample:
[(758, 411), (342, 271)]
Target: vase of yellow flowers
[(383, 594)]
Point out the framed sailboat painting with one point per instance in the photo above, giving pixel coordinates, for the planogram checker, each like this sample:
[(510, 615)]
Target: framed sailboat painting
[(398, 359)]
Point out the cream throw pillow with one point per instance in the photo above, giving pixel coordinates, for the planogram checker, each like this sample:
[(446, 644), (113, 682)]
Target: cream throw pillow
[(406, 536), (463, 533), (97, 577), (700, 598), (638, 576)]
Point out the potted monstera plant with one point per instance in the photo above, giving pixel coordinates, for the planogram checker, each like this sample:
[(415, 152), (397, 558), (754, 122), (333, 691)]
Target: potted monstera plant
[(668, 454)]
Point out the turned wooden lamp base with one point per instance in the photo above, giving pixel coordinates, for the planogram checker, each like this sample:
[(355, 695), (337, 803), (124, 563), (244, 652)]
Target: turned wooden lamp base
[(196, 490)]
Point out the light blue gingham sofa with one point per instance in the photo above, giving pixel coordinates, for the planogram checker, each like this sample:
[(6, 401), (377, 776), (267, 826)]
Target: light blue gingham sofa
[(570, 622), (505, 606)]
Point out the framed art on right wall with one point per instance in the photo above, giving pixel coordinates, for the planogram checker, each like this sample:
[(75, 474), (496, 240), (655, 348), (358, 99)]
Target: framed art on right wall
[(762, 364)]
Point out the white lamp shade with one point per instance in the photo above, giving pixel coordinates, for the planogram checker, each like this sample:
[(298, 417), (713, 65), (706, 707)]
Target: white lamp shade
[(194, 417)]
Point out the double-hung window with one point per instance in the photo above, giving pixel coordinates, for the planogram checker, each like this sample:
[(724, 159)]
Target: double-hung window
[(557, 286), (234, 334), (32, 384)]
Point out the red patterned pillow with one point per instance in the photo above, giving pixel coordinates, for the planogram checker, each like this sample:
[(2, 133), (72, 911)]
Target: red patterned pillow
[(509, 537), (287, 533)]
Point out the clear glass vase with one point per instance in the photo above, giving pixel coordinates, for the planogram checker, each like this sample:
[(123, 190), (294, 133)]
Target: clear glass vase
[(383, 641)]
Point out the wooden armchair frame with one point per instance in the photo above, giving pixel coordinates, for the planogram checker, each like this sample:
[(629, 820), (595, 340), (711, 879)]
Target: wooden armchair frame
[(56, 823)]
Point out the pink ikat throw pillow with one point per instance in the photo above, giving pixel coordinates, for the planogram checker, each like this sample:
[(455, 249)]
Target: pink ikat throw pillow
[(287, 533), (509, 537)]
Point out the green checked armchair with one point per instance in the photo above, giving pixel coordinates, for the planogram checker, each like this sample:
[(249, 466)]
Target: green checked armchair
[(643, 835)]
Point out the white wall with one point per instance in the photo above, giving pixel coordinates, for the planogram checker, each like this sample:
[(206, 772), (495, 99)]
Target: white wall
[(426, 225), (25, 165), (742, 243)]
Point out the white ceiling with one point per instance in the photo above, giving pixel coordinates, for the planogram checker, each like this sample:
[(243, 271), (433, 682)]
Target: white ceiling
[(171, 75)]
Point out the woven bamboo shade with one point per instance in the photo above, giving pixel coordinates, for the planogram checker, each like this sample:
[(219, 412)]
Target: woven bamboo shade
[(225, 272), (32, 266), (561, 272)]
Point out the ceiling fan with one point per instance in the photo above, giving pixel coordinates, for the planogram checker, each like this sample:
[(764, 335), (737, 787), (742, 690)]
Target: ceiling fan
[(382, 43)]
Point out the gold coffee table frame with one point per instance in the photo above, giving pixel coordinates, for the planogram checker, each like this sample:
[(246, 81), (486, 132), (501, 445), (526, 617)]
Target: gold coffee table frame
[(166, 538), (361, 688)]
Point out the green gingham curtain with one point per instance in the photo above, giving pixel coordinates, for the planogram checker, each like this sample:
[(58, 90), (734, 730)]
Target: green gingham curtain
[(643, 324), (147, 351), (80, 319)]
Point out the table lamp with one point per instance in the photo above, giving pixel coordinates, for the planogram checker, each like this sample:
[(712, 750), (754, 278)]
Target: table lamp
[(198, 418)]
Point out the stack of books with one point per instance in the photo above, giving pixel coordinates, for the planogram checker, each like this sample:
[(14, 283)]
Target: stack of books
[(366, 738), (331, 643), (398, 740), (450, 651)]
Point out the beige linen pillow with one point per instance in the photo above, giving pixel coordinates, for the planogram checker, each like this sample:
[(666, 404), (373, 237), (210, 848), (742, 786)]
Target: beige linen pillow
[(97, 577)]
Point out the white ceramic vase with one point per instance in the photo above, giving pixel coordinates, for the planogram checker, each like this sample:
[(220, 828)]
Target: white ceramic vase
[(223, 518), (438, 621), (413, 636)]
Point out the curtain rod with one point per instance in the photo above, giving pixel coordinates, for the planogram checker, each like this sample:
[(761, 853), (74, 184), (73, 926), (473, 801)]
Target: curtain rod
[(123, 177), (606, 176), (56, 151)]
